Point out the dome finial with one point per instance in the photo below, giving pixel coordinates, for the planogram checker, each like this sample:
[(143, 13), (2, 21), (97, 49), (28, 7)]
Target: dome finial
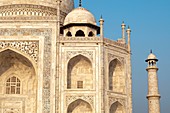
[(101, 17), (80, 3), (151, 51)]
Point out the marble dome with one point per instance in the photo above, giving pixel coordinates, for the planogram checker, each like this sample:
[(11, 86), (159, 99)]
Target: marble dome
[(80, 15), (151, 56), (66, 5)]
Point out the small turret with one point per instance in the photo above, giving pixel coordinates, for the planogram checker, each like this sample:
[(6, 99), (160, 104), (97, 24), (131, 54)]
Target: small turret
[(128, 31), (101, 27), (123, 31)]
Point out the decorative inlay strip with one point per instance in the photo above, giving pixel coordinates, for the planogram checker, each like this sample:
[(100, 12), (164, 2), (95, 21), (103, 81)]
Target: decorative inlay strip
[(88, 98), (112, 57), (113, 100), (88, 54)]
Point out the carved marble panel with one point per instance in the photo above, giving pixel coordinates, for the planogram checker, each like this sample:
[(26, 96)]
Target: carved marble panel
[(30, 48), (114, 99), (88, 54), (112, 57), (29, 12)]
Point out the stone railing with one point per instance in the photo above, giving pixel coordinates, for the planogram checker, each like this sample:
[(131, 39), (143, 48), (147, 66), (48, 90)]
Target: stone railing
[(114, 43), (80, 39), (93, 39)]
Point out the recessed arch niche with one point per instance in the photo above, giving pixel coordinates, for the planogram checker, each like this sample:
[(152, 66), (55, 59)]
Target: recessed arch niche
[(116, 76), (14, 65), (79, 73), (69, 34), (91, 34)]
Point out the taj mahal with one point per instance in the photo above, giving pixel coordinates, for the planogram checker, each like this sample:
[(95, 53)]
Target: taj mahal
[(54, 58)]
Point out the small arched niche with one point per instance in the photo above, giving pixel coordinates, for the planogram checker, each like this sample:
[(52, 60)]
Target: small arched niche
[(80, 33), (116, 76), (116, 108), (79, 106), (69, 34), (91, 34), (79, 73)]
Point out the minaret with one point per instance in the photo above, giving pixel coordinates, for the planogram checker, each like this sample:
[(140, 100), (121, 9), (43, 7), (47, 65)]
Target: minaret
[(128, 31), (153, 92)]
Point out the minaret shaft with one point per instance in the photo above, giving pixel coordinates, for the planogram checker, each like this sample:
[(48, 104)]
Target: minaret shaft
[(152, 82), (153, 91)]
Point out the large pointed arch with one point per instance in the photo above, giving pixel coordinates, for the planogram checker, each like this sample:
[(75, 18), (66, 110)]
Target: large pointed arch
[(15, 71), (21, 53), (79, 73), (79, 106), (116, 76)]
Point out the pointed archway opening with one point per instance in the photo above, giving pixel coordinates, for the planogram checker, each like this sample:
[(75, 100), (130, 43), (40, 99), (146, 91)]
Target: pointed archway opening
[(69, 34), (18, 82), (116, 108), (80, 33), (91, 34), (79, 106)]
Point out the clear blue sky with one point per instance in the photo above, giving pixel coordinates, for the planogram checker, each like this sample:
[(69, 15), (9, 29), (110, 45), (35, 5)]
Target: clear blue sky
[(150, 24)]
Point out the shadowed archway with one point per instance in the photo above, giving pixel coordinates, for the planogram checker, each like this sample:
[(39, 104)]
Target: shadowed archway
[(116, 76), (79, 106), (116, 108)]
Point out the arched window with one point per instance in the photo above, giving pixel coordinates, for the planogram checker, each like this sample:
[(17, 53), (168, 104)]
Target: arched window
[(91, 34), (80, 33), (13, 85), (69, 34)]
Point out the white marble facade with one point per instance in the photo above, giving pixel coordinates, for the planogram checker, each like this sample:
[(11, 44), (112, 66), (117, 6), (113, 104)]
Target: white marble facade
[(76, 71)]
